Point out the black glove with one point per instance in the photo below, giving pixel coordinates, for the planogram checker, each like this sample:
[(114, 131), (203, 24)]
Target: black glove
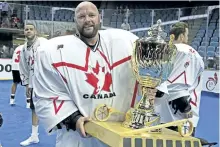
[(159, 94), (70, 121), (182, 104), (1, 120)]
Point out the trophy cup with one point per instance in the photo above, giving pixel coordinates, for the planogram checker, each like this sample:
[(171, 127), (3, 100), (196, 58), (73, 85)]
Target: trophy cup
[(152, 63)]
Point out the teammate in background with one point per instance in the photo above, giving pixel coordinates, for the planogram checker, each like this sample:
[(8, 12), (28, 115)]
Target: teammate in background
[(75, 75), (15, 73), (184, 85), (27, 57)]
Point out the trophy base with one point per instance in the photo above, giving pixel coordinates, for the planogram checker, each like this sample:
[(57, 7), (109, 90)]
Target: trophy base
[(115, 135), (138, 118)]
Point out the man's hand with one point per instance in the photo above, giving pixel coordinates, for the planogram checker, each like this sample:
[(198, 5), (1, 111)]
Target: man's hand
[(28, 91), (182, 105), (80, 125)]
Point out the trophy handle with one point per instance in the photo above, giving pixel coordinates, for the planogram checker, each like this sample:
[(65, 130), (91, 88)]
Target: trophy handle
[(103, 112), (179, 123)]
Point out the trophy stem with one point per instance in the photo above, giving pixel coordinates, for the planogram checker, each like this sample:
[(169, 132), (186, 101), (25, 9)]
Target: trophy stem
[(147, 100), (143, 114)]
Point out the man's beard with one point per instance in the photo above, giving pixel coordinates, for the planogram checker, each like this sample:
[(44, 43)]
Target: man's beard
[(30, 37), (90, 34)]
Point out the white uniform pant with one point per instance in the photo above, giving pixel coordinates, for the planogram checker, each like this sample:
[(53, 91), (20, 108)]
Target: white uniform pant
[(73, 139)]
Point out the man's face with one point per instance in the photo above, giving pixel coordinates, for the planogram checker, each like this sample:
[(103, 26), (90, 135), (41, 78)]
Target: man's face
[(29, 32), (87, 21)]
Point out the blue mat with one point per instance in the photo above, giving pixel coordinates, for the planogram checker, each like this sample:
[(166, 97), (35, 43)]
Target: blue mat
[(17, 119), (208, 126)]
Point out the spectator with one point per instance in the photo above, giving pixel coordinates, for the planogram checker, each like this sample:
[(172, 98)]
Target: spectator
[(125, 25), (5, 22), (4, 52), (1, 10), (120, 9), (5, 9), (15, 21), (4, 14)]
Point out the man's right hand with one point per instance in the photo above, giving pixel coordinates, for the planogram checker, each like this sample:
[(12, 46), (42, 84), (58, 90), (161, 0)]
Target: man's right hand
[(80, 125), (28, 91)]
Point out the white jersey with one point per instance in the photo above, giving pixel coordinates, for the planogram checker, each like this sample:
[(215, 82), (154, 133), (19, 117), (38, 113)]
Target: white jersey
[(26, 65), (16, 58), (72, 77), (184, 80)]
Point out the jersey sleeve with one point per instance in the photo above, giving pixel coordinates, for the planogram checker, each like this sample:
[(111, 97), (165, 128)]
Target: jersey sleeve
[(196, 88), (51, 95), (23, 68), (184, 76)]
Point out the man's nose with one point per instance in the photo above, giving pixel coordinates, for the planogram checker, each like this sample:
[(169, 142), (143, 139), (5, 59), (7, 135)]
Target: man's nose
[(87, 18)]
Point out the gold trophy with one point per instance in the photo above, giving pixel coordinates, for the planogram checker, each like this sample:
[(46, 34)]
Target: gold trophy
[(152, 63)]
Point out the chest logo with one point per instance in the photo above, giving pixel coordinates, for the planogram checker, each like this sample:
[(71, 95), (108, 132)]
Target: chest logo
[(99, 78)]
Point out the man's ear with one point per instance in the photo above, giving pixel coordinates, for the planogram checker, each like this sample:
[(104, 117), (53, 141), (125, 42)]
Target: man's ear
[(181, 37)]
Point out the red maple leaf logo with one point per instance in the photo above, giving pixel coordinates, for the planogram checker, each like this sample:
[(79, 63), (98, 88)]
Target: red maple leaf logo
[(93, 80), (108, 82)]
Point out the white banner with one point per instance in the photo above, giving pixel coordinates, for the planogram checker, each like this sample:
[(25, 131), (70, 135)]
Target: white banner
[(45, 27), (210, 81), (5, 69), (210, 78)]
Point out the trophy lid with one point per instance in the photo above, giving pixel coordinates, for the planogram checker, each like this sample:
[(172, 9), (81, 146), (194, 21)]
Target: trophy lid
[(156, 34)]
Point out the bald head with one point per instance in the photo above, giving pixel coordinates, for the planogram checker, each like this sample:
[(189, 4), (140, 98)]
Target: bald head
[(87, 19), (85, 5)]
